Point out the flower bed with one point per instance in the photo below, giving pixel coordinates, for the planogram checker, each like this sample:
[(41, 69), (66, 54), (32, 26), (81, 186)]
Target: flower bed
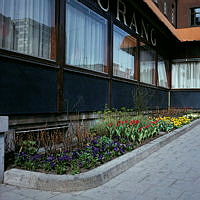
[(122, 136)]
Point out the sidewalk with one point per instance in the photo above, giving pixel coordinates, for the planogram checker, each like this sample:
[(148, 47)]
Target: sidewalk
[(172, 173)]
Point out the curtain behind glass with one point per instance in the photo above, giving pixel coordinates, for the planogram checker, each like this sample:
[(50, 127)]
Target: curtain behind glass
[(147, 64), (162, 74), (186, 75), (26, 26), (124, 47), (86, 37)]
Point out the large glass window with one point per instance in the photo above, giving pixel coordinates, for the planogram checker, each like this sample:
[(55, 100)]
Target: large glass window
[(86, 37), (186, 75), (162, 73), (147, 64), (124, 48), (27, 26), (195, 16)]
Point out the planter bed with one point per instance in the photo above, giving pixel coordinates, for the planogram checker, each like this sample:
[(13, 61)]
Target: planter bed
[(94, 177)]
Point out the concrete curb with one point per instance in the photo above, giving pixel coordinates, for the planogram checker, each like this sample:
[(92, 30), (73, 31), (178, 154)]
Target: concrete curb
[(95, 177), (3, 129)]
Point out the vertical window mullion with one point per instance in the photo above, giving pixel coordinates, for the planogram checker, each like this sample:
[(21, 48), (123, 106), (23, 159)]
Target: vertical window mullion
[(137, 63), (156, 70), (110, 58), (60, 51)]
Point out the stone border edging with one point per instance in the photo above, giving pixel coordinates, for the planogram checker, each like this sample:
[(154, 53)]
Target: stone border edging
[(94, 177), (3, 129)]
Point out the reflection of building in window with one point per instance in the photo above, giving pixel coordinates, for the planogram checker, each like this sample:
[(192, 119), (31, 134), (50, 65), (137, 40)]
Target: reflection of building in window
[(6, 32), (32, 38), (26, 27), (26, 36), (124, 47), (195, 16), (147, 64)]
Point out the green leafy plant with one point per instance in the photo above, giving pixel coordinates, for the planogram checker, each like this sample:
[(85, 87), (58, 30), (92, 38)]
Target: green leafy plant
[(29, 147)]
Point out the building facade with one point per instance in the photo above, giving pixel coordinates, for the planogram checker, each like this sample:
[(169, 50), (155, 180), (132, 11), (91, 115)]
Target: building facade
[(64, 56)]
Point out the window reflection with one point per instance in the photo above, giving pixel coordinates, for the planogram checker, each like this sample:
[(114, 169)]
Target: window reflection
[(86, 37), (162, 73), (124, 48), (147, 64), (27, 26)]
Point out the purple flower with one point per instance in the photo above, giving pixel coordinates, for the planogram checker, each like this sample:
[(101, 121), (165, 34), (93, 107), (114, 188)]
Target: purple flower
[(35, 157), (67, 158), (115, 149), (121, 150), (118, 144), (61, 158), (100, 157), (95, 149), (94, 154), (52, 164), (94, 142), (50, 158)]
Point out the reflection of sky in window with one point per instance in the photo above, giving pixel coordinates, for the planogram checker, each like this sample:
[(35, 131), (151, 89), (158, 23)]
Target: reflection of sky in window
[(38, 10), (197, 10)]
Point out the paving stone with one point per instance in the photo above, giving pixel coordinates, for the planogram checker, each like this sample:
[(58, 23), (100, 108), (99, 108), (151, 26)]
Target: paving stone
[(189, 196), (63, 196), (34, 194), (163, 193), (11, 196), (186, 186), (6, 188)]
